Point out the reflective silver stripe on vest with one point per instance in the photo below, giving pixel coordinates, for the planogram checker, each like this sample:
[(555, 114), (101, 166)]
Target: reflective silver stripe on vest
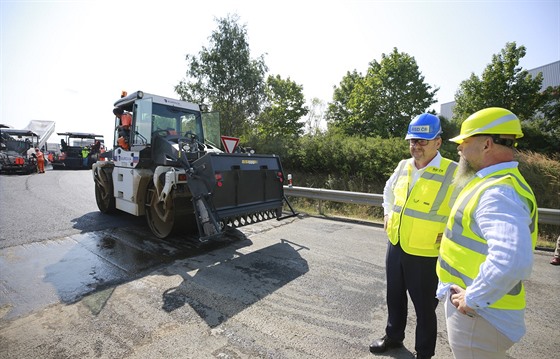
[(468, 280), (446, 182), (454, 272), (456, 232), (403, 172), (457, 237)]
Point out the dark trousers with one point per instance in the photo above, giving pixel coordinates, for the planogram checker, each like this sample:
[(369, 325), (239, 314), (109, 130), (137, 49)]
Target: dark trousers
[(417, 275)]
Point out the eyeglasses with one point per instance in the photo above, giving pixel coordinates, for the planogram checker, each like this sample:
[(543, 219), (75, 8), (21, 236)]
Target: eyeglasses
[(508, 142), (421, 142)]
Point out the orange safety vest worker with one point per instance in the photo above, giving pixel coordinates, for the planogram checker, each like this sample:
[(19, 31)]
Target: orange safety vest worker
[(40, 161)]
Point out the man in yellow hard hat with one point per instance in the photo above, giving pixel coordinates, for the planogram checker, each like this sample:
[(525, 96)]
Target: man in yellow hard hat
[(487, 248)]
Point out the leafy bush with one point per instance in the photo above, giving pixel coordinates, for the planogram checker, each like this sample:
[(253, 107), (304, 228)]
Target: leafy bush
[(337, 161), (542, 172), (349, 162)]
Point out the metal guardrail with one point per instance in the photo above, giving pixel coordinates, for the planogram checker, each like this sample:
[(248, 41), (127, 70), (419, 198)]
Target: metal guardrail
[(546, 215), (549, 216)]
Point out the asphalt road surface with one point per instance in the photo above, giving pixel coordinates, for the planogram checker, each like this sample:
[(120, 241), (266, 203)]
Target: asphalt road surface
[(78, 284)]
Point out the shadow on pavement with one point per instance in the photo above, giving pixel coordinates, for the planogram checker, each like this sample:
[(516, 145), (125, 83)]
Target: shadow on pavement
[(229, 282)]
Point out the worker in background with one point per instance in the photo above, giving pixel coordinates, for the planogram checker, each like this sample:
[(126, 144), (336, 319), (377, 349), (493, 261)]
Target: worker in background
[(416, 201), (40, 160), (487, 249), (85, 156), (96, 147), (123, 129)]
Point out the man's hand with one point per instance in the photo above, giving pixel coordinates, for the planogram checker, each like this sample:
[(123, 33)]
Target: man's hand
[(458, 300), (385, 219)]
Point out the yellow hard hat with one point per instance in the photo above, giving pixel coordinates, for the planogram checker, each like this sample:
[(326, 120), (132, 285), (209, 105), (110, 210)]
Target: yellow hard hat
[(490, 121)]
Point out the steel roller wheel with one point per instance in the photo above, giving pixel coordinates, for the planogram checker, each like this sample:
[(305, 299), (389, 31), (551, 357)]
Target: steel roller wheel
[(104, 191), (160, 220)]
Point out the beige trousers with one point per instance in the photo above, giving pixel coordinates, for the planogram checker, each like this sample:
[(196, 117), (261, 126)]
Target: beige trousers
[(473, 337)]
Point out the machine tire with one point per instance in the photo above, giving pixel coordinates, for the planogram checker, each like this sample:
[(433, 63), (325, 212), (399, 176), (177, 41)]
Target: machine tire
[(104, 193)]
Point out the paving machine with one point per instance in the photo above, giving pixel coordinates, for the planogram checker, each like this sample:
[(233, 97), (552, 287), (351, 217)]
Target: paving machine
[(17, 151), (166, 165), (78, 150)]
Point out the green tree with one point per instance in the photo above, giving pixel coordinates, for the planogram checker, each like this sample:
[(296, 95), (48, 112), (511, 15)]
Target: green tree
[(503, 84), (383, 102), (337, 110), (549, 118), (542, 133), (224, 76), (284, 107)]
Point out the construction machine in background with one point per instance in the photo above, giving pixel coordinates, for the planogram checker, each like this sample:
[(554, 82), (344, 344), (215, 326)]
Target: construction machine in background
[(166, 166), (17, 151), (78, 150)]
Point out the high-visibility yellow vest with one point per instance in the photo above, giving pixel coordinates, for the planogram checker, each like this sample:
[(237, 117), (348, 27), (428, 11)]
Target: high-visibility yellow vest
[(463, 250), (418, 219)]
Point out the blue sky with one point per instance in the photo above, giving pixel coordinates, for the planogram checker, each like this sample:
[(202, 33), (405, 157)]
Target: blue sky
[(67, 61)]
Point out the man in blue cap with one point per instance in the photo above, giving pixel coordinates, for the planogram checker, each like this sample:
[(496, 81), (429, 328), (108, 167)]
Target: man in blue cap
[(417, 201)]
